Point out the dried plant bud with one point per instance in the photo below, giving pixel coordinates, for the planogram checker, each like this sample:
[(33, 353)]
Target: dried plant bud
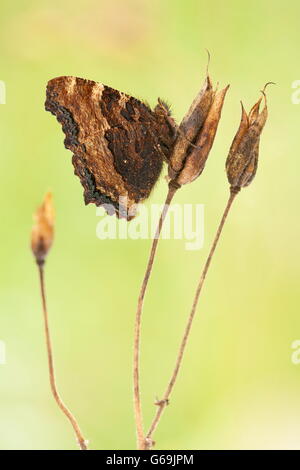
[(241, 163), (43, 230), (195, 161), (190, 126)]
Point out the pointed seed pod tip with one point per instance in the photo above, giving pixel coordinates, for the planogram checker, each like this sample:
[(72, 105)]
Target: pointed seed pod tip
[(43, 230)]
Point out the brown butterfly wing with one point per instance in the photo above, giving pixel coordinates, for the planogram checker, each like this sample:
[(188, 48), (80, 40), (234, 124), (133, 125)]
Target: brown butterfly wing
[(118, 143)]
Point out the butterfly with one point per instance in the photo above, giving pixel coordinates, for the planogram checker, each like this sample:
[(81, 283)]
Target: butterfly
[(118, 143)]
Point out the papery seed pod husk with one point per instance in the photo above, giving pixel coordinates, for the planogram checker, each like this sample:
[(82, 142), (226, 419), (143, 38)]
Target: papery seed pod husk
[(190, 126), (42, 233), (196, 159), (241, 163)]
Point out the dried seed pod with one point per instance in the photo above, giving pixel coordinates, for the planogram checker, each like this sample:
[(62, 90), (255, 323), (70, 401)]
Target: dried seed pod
[(195, 161), (43, 230), (190, 127), (241, 163)]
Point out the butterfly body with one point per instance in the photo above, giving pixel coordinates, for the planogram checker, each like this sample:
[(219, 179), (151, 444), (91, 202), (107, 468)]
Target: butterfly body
[(118, 142)]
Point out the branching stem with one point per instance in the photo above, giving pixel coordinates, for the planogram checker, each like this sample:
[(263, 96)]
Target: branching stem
[(148, 443), (137, 327)]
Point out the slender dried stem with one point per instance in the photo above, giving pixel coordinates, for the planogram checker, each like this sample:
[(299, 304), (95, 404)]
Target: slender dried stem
[(81, 441), (137, 326), (165, 400)]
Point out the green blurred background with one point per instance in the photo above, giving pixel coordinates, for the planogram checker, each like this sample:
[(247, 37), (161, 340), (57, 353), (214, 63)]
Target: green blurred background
[(238, 387)]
